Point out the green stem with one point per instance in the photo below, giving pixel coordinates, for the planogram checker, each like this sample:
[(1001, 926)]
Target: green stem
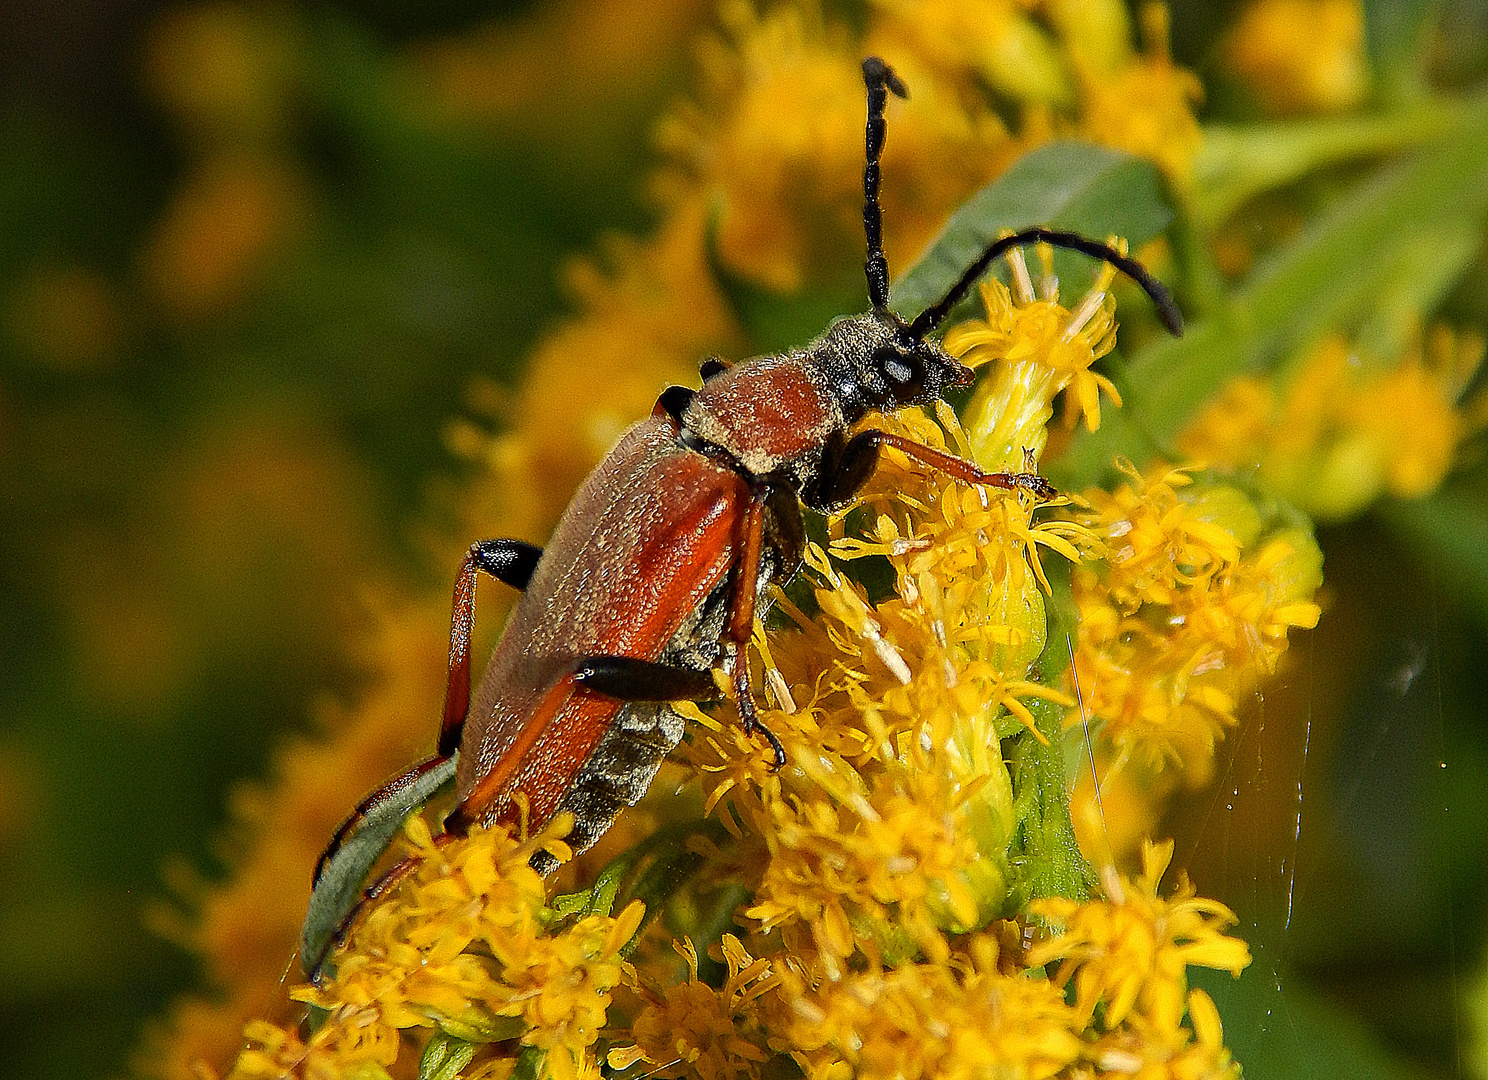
[(1045, 856)]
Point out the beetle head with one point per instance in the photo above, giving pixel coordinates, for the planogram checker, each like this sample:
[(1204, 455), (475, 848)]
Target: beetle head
[(876, 362)]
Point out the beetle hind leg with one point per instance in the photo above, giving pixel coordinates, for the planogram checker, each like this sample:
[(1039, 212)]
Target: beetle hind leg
[(510, 562)]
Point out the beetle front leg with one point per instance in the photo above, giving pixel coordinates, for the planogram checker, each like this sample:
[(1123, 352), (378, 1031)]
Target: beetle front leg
[(847, 466)]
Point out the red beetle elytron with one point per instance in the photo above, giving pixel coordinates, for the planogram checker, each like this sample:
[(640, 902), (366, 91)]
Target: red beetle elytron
[(648, 590)]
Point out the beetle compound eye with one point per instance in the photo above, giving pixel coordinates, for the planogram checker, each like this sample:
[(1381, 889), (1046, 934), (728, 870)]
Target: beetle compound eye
[(903, 373)]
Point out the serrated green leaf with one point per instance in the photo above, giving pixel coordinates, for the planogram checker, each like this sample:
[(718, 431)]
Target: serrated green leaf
[(1066, 185), (340, 885)]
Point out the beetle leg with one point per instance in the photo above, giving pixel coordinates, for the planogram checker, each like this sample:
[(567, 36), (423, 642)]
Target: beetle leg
[(469, 810), (741, 619), (852, 464), (508, 561)]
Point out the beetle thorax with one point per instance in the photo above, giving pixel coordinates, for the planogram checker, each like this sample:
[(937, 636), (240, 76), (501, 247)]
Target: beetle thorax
[(771, 415)]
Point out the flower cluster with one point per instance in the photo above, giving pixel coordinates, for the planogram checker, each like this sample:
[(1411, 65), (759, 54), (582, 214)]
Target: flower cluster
[(1183, 613), (1338, 431), (694, 1028), (463, 940), (1127, 956)]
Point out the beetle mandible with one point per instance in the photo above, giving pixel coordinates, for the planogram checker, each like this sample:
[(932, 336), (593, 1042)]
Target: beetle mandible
[(648, 590)]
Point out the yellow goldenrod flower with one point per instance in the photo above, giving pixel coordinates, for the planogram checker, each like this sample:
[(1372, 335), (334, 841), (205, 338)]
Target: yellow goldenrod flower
[(1301, 55), (774, 149), (1129, 953), (1189, 610), (1147, 107), (962, 1017), (463, 942), (777, 154), (693, 1029), (1140, 1051), (996, 40), (1042, 349)]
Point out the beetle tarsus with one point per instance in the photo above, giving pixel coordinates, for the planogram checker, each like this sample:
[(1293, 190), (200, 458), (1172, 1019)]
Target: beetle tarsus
[(753, 725), (1034, 484)]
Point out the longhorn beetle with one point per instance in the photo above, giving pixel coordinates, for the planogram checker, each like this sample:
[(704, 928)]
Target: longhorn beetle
[(648, 590)]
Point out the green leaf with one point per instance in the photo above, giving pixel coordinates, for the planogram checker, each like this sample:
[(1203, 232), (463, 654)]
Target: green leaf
[(599, 898), (1237, 163), (1368, 245), (1450, 525), (530, 1061), (340, 886), (1066, 185), (444, 1057)]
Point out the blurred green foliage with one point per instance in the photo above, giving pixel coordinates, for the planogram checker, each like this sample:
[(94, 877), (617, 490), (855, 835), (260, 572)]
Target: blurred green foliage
[(195, 484)]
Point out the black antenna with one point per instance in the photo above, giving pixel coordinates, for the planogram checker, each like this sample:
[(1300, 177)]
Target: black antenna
[(881, 81), (1172, 318)]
